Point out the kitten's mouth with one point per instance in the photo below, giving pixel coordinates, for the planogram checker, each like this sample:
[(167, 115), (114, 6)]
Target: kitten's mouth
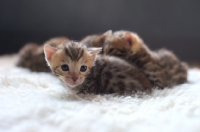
[(72, 83)]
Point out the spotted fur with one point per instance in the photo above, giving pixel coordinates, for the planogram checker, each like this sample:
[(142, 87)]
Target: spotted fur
[(161, 67), (96, 40), (31, 56), (104, 74)]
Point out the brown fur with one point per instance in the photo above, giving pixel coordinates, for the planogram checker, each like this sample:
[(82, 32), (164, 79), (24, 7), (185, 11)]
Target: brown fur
[(104, 74), (162, 68), (96, 40), (32, 55)]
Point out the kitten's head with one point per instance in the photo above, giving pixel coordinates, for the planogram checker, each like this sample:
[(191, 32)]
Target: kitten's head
[(71, 63), (122, 43), (96, 40)]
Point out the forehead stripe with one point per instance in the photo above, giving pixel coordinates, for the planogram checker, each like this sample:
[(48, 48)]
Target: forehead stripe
[(79, 54), (68, 53), (74, 53)]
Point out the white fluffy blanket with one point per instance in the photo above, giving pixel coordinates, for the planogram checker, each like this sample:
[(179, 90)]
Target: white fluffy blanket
[(35, 102)]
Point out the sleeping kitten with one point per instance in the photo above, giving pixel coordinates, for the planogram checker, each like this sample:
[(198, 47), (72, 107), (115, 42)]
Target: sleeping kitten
[(96, 40), (32, 56), (162, 68), (83, 70)]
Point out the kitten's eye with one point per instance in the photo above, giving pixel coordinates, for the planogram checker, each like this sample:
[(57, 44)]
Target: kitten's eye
[(83, 68), (65, 67)]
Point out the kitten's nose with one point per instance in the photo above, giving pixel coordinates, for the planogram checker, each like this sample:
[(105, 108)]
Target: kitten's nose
[(74, 78)]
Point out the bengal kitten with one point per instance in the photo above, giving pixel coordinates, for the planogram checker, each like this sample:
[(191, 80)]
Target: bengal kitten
[(83, 70), (32, 56), (162, 67)]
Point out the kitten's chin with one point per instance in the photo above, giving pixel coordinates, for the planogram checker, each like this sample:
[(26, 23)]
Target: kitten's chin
[(72, 85)]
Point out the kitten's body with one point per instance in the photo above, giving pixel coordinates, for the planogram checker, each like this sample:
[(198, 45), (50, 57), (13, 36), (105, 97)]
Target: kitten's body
[(175, 71), (162, 68), (104, 74), (111, 75), (32, 56), (92, 41)]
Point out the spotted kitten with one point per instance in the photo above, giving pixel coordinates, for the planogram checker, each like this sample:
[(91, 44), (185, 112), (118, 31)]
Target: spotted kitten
[(81, 69), (32, 56), (162, 68)]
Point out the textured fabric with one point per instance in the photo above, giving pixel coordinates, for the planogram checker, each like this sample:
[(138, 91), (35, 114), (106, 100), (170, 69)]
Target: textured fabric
[(31, 101)]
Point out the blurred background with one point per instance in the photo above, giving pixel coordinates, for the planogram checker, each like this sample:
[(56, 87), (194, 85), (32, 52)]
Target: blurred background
[(173, 24)]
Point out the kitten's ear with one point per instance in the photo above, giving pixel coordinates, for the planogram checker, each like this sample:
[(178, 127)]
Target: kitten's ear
[(128, 37), (106, 35), (94, 51), (49, 52)]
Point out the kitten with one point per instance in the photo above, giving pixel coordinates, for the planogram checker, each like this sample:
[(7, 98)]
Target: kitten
[(162, 68), (32, 56), (96, 40), (84, 70)]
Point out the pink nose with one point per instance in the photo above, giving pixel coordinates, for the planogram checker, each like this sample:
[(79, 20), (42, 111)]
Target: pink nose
[(74, 78)]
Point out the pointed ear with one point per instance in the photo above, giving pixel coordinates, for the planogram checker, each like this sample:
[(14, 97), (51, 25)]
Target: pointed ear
[(49, 52), (128, 37), (106, 35), (94, 51)]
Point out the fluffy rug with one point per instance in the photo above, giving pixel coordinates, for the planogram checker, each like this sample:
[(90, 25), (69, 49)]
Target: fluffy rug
[(35, 102)]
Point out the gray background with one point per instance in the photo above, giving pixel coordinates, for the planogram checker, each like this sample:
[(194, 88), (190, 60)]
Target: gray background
[(174, 24)]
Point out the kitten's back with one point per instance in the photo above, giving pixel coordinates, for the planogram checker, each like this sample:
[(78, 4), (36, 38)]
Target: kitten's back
[(114, 75), (174, 70)]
